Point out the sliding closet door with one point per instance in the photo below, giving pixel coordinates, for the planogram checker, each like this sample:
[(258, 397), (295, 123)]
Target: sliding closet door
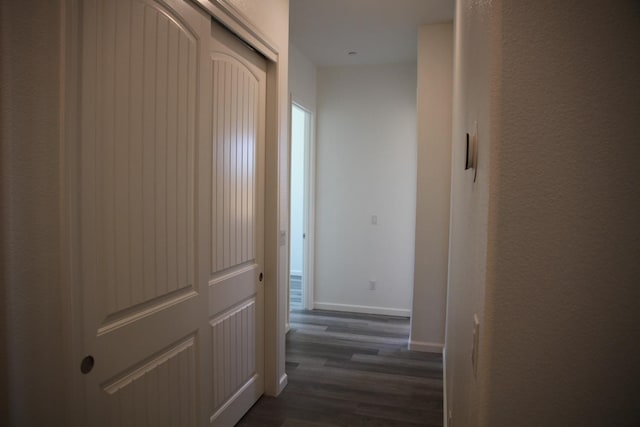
[(144, 201), (236, 296), (171, 202)]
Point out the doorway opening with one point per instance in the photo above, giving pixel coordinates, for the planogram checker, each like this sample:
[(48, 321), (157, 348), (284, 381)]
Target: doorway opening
[(299, 264)]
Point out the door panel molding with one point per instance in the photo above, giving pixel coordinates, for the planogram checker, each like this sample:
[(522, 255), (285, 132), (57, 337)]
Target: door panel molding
[(136, 372), (122, 319), (233, 362), (166, 378), (232, 288), (236, 128), (138, 174)]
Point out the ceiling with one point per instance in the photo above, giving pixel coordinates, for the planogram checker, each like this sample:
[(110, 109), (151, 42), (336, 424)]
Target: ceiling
[(380, 31)]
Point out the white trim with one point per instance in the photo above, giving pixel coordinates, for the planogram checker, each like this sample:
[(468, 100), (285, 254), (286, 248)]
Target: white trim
[(400, 312), (310, 210), (445, 412), (284, 380), (275, 285), (288, 279), (308, 262), (427, 347)]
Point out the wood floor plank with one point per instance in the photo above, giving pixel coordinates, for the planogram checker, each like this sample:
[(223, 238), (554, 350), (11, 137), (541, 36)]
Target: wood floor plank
[(307, 326), (398, 361), (349, 369), (357, 337), (347, 347), (383, 368)]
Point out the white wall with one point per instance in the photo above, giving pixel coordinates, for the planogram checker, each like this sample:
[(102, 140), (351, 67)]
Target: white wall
[(544, 246), (435, 87), (366, 165), (302, 79), (472, 86)]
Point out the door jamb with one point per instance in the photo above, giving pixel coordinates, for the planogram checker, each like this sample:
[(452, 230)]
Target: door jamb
[(308, 265)]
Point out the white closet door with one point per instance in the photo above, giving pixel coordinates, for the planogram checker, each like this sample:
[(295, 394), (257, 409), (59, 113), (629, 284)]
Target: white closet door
[(144, 203), (171, 201), (236, 297)]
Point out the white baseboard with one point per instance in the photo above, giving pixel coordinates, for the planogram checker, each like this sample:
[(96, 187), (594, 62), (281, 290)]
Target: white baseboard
[(295, 273), (400, 312), (428, 347), (284, 380)]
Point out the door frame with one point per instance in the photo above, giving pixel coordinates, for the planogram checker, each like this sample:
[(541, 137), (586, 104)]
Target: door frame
[(276, 173), (308, 226)]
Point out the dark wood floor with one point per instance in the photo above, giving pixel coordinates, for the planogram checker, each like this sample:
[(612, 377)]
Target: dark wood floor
[(295, 292), (350, 369)]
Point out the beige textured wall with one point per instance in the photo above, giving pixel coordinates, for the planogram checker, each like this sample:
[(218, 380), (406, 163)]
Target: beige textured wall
[(435, 86), (33, 343), (544, 246), (565, 331)]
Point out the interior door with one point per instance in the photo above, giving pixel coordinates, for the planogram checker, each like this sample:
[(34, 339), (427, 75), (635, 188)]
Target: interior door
[(236, 295), (170, 206)]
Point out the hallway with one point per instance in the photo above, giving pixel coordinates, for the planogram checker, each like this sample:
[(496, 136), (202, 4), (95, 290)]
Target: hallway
[(348, 369)]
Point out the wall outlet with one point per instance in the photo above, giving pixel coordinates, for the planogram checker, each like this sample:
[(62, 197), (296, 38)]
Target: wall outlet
[(372, 285), (475, 345)]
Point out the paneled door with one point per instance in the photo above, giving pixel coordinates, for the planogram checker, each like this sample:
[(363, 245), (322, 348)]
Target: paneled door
[(236, 308), (170, 207)]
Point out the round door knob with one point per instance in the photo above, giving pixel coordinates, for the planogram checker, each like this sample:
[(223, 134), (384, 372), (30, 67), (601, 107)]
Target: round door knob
[(87, 364)]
